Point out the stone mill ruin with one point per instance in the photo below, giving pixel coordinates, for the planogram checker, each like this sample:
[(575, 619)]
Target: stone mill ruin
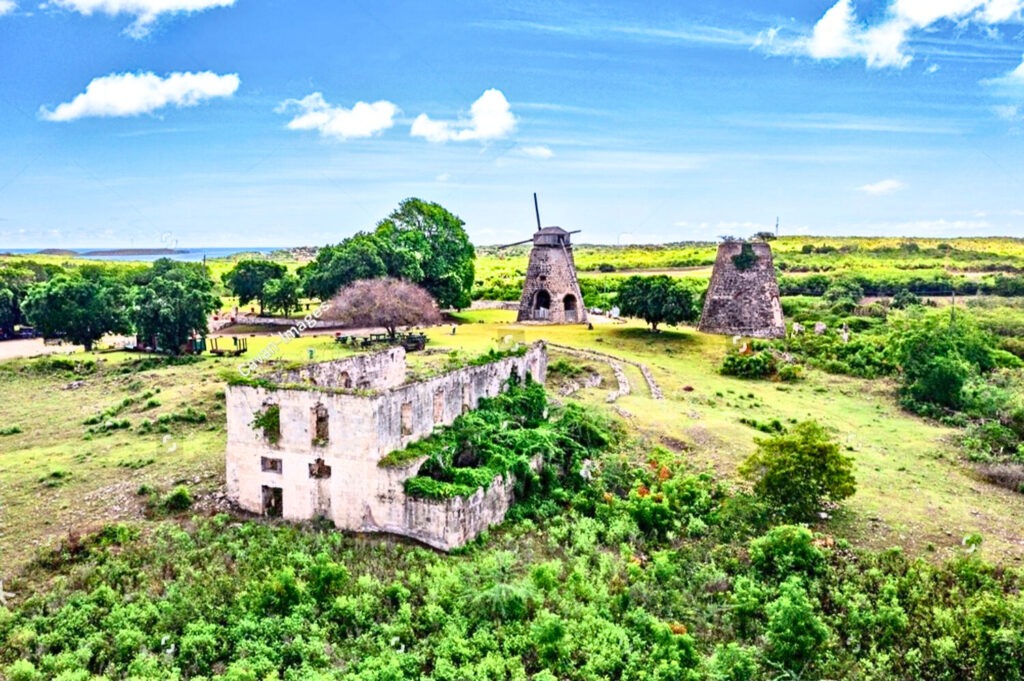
[(743, 297), (552, 292)]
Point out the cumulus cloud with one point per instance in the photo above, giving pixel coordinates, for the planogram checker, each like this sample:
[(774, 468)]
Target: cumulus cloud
[(7, 6), (146, 12), (882, 188), (362, 120), (538, 151), (490, 118), (840, 35), (132, 94)]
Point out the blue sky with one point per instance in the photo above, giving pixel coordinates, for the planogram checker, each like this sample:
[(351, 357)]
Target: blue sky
[(286, 122)]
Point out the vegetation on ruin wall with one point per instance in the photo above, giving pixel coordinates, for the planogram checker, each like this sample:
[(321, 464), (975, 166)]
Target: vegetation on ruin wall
[(648, 572), (501, 437)]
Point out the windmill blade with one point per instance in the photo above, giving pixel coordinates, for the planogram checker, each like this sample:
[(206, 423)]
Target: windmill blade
[(518, 243)]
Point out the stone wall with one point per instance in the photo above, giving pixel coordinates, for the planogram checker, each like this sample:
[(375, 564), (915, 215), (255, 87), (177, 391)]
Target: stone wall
[(552, 270), (743, 302), (376, 371), (362, 428)]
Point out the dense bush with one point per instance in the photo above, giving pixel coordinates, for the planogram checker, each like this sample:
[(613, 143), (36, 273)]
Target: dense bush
[(800, 471)]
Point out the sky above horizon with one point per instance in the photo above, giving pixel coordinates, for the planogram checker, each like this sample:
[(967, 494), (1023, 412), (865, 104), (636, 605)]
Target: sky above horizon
[(149, 123)]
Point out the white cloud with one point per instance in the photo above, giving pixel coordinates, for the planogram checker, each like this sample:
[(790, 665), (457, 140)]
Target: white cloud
[(490, 118), (1008, 112), (1012, 80), (839, 34), (362, 120), (538, 151), (932, 68), (882, 188), (132, 94), (443, 177), (7, 6), (146, 12)]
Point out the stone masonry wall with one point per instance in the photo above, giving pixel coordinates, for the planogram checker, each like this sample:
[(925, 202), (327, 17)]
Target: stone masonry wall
[(361, 429), (552, 269), (376, 371), (743, 302)]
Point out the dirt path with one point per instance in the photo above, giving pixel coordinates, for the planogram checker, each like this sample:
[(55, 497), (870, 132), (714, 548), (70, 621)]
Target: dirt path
[(32, 347)]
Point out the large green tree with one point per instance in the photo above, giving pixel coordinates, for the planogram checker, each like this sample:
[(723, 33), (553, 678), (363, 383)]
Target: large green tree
[(249, 278), (355, 258), (420, 242), (78, 308), (15, 281), (282, 294), (440, 237), (171, 301), (657, 299)]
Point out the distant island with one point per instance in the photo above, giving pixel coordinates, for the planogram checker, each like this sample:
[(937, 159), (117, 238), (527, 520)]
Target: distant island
[(136, 251)]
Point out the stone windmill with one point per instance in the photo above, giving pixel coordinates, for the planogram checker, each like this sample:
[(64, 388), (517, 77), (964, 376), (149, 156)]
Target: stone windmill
[(743, 297), (552, 292)]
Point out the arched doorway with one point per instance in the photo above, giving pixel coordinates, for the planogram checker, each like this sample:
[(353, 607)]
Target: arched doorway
[(542, 305), (569, 304)]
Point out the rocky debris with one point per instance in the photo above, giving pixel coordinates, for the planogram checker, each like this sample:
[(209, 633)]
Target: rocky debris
[(573, 387), (74, 385)]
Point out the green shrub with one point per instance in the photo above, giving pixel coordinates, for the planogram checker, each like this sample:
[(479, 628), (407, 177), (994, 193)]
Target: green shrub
[(179, 499), (757, 365), (795, 633), (786, 549), (798, 472)]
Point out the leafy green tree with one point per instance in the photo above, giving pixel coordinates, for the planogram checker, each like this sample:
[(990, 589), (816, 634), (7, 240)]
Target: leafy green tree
[(441, 238), (15, 281), (358, 257), (800, 470), (420, 242), (904, 298), (171, 302), (249, 278), (79, 309), (657, 299), (282, 294)]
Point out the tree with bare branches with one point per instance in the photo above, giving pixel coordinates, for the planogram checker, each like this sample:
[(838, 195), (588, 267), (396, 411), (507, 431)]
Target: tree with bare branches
[(388, 303)]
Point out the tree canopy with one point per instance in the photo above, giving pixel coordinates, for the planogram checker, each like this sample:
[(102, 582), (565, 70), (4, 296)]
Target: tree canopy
[(80, 309), (419, 241), (657, 299), (388, 303), (171, 302), (249, 278)]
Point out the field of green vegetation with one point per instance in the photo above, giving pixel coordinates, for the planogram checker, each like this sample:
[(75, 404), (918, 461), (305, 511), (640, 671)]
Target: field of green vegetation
[(120, 558)]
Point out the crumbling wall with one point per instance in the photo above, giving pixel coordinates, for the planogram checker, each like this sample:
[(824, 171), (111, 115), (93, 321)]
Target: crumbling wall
[(375, 371), (361, 430), (743, 302)]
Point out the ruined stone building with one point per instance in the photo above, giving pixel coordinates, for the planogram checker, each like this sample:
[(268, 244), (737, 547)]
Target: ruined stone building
[(743, 297), (552, 292), (309, 445)]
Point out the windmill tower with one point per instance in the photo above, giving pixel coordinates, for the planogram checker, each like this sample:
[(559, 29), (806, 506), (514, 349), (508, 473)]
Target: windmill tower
[(743, 296), (552, 292)]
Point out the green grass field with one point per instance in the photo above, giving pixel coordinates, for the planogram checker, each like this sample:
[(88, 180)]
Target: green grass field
[(56, 477)]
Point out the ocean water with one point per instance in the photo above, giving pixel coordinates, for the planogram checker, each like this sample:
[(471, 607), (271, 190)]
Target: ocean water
[(186, 254)]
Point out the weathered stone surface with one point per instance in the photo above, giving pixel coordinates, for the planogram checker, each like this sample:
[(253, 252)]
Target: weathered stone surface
[(743, 302), (551, 292), (361, 429)]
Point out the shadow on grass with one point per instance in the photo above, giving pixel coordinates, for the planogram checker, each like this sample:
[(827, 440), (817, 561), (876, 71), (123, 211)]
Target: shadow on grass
[(662, 337)]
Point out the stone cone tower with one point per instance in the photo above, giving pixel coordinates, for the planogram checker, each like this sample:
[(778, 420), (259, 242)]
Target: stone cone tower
[(743, 298), (552, 292)]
